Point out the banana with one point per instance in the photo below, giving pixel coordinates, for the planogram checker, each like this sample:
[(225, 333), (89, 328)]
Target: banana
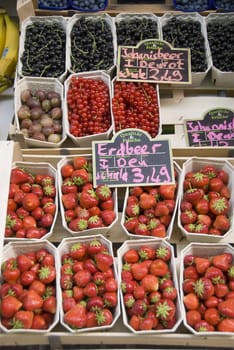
[(8, 60), (2, 33)]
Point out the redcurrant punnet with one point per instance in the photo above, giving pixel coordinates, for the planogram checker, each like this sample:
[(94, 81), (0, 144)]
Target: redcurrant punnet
[(88, 102), (135, 105)]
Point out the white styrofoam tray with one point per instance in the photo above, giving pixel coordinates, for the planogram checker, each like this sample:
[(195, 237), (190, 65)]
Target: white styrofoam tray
[(220, 78), (33, 84), (37, 19), (170, 226), (12, 250), (42, 168), (203, 250), (195, 164), (86, 141), (103, 230), (154, 243), (94, 17), (62, 249), (197, 77)]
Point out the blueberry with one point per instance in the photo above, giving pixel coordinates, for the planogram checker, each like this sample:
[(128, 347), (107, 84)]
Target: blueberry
[(192, 5), (227, 5), (53, 3), (92, 5)]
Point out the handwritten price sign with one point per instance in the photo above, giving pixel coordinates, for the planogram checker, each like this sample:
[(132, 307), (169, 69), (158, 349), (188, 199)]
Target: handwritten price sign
[(132, 158), (215, 129), (154, 61)]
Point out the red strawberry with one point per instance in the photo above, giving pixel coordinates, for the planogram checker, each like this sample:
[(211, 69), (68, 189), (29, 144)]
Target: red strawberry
[(202, 264), (76, 317), (222, 223), (188, 217), (203, 288), (103, 261)]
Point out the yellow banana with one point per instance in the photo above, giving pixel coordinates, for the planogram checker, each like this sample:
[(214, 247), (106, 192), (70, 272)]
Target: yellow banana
[(9, 56), (2, 33)]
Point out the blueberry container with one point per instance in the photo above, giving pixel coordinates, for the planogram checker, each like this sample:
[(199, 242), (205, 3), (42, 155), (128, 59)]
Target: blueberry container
[(53, 5), (192, 5), (223, 5), (88, 5)]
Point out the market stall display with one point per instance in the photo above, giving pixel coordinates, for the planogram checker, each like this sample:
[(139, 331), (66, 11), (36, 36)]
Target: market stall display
[(120, 329)]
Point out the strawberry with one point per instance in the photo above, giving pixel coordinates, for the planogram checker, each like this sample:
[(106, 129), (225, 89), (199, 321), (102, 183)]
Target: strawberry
[(136, 191), (189, 227), (203, 288), (167, 191), (202, 264), (230, 273), (19, 176), (69, 200), (226, 308), (147, 201), (222, 223), (209, 170), (161, 209), (188, 217), (193, 195), (150, 283), (214, 274), (23, 319), (199, 180), (78, 224), (131, 223), (219, 206), (216, 184), (202, 206), (95, 221), (132, 209), (139, 270), (201, 228), (77, 250), (103, 192), (204, 219), (103, 261), (222, 261), (203, 326), (142, 229), (165, 309), (76, 317)]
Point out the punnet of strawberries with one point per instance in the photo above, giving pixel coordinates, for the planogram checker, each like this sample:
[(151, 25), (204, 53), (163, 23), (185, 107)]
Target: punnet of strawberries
[(207, 286), (84, 206), (148, 286), (28, 287), (32, 201), (88, 283), (205, 206), (149, 210)]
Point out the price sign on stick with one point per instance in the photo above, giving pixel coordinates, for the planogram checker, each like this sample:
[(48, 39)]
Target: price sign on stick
[(132, 158), (216, 128), (154, 61)]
